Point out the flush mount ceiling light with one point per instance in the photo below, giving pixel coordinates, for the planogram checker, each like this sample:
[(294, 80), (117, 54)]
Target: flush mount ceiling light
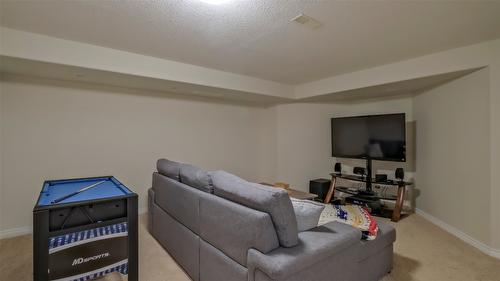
[(215, 2)]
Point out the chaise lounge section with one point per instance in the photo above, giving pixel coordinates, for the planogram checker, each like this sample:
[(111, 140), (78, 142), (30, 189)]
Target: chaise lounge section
[(220, 227)]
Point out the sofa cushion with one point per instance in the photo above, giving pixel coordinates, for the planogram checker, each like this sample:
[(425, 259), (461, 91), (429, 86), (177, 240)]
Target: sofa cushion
[(385, 237), (274, 201), (307, 213), (169, 168), (196, 177), (333, 241)]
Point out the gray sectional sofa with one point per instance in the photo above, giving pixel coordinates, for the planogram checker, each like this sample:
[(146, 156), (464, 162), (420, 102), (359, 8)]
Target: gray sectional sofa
[(220, 227)]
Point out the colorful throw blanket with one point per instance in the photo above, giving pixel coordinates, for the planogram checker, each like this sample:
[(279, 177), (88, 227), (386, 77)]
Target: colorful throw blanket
[(353, 215)]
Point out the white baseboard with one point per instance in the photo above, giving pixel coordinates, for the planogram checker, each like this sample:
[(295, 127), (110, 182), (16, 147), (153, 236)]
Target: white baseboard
[(13, 232), (460, 235), (495, 253)]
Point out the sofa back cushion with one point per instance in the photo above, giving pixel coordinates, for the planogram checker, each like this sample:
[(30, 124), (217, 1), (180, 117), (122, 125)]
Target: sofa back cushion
[(233, 228), (169, 168), (274, 201), (196, 177), (185, 173)]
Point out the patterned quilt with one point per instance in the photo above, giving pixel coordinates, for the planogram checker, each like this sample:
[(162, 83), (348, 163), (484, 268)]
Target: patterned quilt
[(353, 215)]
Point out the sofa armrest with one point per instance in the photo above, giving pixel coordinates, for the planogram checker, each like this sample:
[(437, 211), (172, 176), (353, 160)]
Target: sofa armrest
[(314, 246)]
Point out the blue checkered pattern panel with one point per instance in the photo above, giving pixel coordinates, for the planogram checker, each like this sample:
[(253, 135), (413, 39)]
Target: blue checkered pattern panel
[(61, 240), (121, 268)]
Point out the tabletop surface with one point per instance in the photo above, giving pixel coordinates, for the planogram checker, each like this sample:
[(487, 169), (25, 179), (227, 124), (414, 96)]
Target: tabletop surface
[(297, 194), (53, 190)]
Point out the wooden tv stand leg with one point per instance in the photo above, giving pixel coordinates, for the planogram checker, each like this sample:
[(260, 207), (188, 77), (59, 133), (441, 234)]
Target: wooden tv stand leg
[(331, 191), (396, 214)]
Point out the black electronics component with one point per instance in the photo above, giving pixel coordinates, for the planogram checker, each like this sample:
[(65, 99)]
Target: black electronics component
[(380, 178), (400, 174), (376, 137), (319, 187), (338, 168), (374, 204), (359, 171)]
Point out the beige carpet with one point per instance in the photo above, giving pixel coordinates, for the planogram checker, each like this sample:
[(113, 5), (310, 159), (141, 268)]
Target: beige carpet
[(423, 252)]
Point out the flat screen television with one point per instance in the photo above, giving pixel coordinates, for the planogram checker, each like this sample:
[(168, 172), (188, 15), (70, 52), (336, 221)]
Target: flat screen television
[(377, 137)]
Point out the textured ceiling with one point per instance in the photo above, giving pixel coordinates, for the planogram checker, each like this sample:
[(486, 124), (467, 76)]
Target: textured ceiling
[(256, 37)]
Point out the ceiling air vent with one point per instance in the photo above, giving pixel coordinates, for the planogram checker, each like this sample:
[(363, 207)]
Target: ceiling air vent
[(306, 21)]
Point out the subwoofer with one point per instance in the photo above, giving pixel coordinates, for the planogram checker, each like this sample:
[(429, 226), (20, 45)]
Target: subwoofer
[(319, 187)]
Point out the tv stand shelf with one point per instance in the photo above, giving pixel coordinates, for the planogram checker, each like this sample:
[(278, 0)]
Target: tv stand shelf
[(350, 191), (363, 179), (396, 215)]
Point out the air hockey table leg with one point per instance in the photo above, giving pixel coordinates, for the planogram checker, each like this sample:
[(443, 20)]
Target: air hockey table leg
[(40, 245), (133, 236)]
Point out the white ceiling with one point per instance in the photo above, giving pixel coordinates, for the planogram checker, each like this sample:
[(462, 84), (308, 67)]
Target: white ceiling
[(256, 37)]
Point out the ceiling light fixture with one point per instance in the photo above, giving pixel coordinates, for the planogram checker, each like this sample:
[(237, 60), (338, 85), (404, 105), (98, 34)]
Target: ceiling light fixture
[(215, 2)]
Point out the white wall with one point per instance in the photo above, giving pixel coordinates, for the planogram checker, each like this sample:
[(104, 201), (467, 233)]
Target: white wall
[(267, 144), (58, 129), (1, 155), (453, 153), (495, 143), (54, 129), (304, 137), (62, 130)]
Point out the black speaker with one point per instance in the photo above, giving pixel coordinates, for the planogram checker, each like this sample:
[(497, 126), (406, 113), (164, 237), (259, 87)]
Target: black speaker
[(338, 168), (399, 174), (319, 187), (359, 171)]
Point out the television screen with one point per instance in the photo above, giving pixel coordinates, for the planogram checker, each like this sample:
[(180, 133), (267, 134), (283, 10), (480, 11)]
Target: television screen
[(378, 137)]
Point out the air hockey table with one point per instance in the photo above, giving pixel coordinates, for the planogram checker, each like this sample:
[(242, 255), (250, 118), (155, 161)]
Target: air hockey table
[(84, 229)]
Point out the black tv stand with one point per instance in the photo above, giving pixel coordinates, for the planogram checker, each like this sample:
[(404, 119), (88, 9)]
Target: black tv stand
[(367, 179), (368, 194), (369, 176)]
